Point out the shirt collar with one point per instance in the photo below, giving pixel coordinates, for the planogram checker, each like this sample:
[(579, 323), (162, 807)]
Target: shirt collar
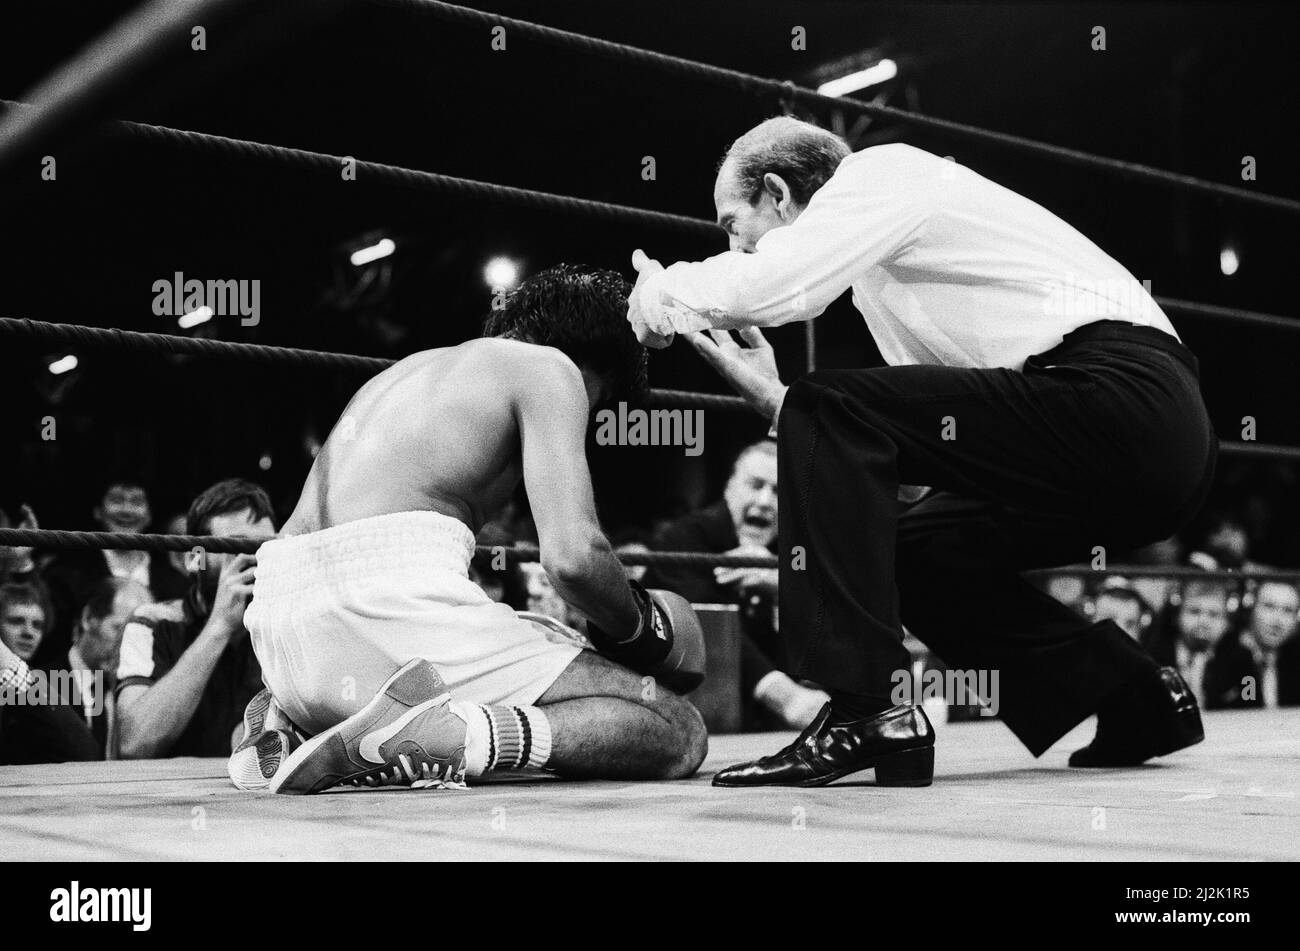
[(75, 660)]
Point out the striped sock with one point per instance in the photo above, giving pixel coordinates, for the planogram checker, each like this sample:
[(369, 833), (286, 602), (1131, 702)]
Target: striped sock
[(501, 737)]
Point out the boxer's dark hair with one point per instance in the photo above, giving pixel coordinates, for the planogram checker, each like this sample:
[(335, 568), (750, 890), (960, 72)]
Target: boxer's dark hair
[(229, 495), (804, 155), (582, 312)]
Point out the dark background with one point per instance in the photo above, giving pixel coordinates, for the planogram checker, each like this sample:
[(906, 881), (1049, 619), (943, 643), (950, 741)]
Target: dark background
[(1192, 88)]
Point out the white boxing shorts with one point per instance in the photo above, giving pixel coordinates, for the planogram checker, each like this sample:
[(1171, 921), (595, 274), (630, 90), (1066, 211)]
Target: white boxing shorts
[(335, 612)]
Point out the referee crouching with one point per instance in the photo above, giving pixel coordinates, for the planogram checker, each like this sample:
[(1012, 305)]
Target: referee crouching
[(1031, 381)]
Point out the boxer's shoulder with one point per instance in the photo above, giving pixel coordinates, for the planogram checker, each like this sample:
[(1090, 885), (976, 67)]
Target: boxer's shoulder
[(532, 370), (516, 351)]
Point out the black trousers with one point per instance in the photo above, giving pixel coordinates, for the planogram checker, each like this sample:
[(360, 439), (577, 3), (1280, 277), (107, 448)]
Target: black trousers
[(1098, 446)]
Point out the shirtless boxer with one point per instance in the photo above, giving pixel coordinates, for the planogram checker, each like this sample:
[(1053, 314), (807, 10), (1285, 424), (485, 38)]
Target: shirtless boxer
[(365, 594)]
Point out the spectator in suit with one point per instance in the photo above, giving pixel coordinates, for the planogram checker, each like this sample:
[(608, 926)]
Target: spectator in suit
[(96, 640), (742, 522), (1119, 601), (35, 725), (123, 507), (186, 672), (1261, 666), (24, 618), (1200, 618)]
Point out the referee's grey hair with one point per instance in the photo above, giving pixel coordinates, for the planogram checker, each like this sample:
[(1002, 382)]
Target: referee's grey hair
[(803, 154)]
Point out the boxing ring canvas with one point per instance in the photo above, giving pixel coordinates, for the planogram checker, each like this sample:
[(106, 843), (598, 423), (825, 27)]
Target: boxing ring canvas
[(1231, 798)]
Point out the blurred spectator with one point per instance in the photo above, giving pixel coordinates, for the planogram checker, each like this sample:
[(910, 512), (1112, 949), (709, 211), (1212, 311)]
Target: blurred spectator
[(480, 572), (1162, 554), (17, 563), (176, 526), (1226, 540), (96, 640), (542, 598), (36, 725), (1201, 616), (1117, 600), (512, 522), (743, 522), (185, 677), (24, 618), (1261, 667), (500, 579), (124, 507), (97, 637), (632, 541), (1070, 590)]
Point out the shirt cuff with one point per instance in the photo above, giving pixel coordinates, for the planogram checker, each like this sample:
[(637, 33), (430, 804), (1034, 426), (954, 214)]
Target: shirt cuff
[(683, 318), (686, 321)]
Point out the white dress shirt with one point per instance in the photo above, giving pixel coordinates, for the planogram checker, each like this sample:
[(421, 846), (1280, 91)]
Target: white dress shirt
[(126, 565), (1266, 663), (1191, 664), (946, 267)]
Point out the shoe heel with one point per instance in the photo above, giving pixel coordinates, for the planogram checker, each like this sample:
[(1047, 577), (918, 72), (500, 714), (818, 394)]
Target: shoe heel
[(909, 768)]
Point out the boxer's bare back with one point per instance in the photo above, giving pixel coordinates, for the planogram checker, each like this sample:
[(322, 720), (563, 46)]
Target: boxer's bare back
[(440, 431)]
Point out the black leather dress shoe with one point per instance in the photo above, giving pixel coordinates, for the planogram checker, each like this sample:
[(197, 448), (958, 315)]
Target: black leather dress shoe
[(1157, 717), (898, 744)]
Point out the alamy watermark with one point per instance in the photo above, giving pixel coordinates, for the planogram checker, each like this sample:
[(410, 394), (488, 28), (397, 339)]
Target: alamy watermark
[(179, 297), (1080, 296), (657, 427), (954, 687), (58, 688), (77, 904)]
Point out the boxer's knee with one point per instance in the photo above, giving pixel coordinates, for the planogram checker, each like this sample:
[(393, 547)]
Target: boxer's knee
[(690, 739)]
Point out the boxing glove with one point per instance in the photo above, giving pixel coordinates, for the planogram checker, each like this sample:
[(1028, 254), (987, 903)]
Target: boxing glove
[(668, 644)]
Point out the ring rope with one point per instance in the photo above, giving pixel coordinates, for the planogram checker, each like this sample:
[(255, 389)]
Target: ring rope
[(1167, 571), (98, 78), (1227, 314), (50, 540), (112, 338), (783, 90), (412, 179), (467, 188)]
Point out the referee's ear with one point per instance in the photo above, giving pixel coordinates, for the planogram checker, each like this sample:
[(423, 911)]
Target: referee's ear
[(779, 191)]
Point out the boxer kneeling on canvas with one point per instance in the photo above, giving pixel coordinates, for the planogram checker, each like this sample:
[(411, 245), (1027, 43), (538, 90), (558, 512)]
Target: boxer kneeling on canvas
[(372, 637)]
